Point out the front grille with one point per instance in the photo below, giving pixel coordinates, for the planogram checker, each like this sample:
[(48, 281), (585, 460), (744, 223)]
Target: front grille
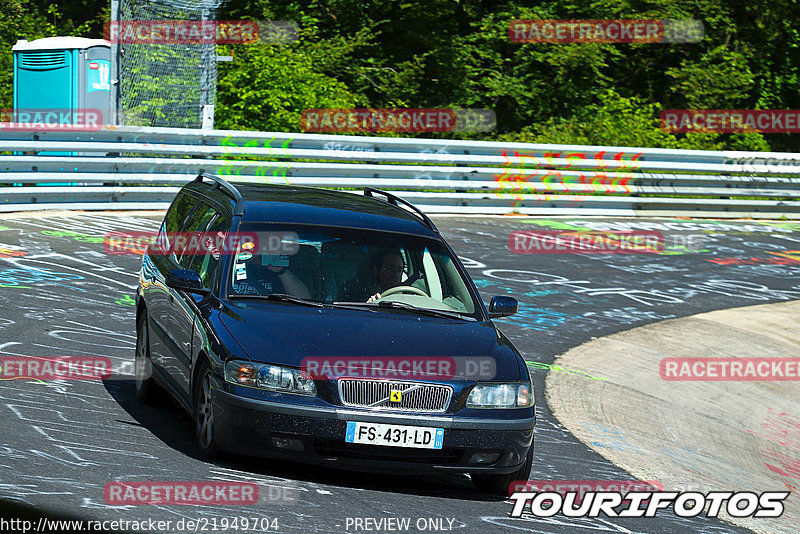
[(375, 394), (331, 448)]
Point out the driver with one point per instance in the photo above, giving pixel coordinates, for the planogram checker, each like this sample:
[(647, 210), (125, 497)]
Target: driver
[(268, 279), (387, 271)]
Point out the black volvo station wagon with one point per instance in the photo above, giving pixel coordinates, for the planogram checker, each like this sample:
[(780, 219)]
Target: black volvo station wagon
[(332, 328)]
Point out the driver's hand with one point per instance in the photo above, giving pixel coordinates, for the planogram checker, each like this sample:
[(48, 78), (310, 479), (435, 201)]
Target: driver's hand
[(373, 298)]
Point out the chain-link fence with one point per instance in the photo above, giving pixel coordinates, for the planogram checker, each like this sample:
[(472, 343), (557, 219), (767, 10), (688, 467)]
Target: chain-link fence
[(166, 84)]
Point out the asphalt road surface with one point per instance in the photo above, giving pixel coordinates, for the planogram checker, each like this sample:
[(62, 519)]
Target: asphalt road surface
[(62, 442)]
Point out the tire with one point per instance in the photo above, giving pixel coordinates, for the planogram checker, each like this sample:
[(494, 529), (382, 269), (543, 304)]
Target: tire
[(498, 484), (143, 366), (204, 411)]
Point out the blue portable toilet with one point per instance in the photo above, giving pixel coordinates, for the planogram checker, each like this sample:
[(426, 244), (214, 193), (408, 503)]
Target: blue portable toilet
[(63, 73)]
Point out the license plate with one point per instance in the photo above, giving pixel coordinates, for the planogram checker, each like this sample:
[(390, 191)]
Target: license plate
[(420, 437)]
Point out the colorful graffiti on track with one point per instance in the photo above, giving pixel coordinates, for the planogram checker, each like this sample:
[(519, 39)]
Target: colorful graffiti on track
[(552, 367)]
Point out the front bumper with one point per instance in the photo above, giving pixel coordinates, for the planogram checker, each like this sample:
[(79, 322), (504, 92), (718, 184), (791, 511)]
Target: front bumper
[(247, 426)]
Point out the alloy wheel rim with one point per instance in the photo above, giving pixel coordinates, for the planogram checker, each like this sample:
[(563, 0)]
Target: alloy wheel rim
[(140, 363), (205, 414)]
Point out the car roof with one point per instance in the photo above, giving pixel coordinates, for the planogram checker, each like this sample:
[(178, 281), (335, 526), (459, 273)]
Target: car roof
[(292, 204)]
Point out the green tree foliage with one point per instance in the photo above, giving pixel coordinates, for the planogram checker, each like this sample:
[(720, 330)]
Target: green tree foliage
[(456, 53), (16, 22), (444, 53), (35, 19), (278, 83)]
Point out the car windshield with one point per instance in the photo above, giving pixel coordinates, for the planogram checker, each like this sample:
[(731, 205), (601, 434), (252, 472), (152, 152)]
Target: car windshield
[(332, 265)]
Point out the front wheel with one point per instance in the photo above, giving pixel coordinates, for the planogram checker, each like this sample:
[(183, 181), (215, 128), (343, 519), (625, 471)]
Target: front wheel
[(204, 411), (499, 484), (142, 365)]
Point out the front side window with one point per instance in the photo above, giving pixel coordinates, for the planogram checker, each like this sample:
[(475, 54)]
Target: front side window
[(209, 258), (330, 265)]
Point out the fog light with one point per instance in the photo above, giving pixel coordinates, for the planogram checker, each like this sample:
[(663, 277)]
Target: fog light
[(484, 457), (288, 444)]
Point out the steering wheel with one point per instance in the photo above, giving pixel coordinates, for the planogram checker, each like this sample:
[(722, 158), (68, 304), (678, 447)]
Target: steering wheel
[(403, 289)]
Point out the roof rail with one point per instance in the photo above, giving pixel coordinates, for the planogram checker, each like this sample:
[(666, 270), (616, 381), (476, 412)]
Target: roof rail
[(227, 188), (396, 201)]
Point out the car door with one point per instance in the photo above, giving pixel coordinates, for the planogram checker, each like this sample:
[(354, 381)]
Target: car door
[(204, 220), (159, 261)]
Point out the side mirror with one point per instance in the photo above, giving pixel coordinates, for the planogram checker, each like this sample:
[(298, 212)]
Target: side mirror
[(502, 307), (185, 280)]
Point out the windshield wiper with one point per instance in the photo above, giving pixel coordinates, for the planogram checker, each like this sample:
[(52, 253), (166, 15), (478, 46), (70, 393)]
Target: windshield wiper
[(427, 311), (424, 311), (283, 297)]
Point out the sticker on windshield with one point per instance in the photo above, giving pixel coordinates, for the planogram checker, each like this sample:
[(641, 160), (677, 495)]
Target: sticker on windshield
[(281, 260), (244, 289), (241, 271)]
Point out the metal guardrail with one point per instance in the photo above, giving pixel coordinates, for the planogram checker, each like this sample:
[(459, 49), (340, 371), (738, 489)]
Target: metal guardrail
[(142, 168)]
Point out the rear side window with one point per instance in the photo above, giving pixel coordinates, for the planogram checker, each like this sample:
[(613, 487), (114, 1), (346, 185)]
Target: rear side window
[(187, 242), (173, 221), (198, 220)]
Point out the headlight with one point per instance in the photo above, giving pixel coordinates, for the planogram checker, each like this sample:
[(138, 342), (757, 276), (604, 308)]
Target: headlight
[(271, 377), (511, 395)]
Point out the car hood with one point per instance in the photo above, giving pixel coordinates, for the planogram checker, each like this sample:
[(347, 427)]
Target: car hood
[(285, 334)]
